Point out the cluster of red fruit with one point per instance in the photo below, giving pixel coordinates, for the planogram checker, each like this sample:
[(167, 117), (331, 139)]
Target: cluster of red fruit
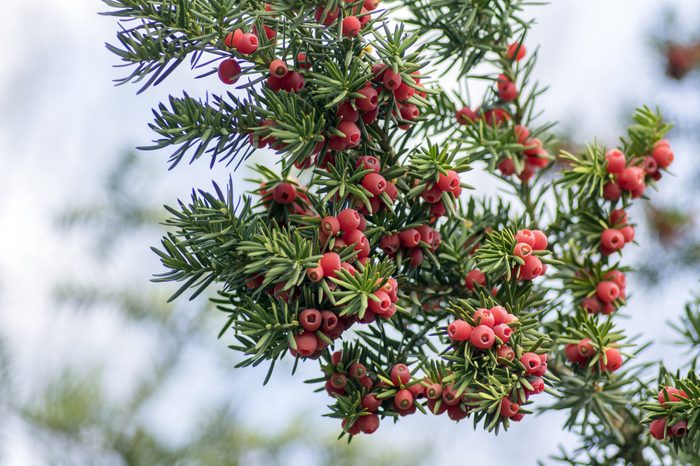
[(527, 243), (534, 154), (582, 352), (382, 303), (619, 233), (447, 183), (412, 241), (487, 327), (658, 428), (609, 294), (399, 393), (289, 194), (377, 187), (633, 175)]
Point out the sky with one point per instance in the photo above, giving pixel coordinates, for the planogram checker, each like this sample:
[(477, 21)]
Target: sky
[(62, 124)]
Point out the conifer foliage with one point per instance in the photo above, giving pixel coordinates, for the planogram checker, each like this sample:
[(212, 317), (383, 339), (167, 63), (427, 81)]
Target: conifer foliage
[(363, 251)]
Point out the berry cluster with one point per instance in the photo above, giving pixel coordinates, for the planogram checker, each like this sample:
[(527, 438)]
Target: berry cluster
[(658, 427), (410, 243), (619, 233), (633, 175), (609, 294), (527, 244), (586, 351)]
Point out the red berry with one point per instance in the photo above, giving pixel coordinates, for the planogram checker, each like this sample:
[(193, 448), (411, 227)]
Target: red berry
[(346, 112), (531, 361), (607, 291), (503, 332), (537, 386), (618, 217), (338, 381), (572, 354), (247, 44), (508, 408), (352, 133), (508, 92), (631, 178), (371, 116), (232, 38), (417, 390), (368, 424), (403, 399), (612, 191), (449, 395), (482, 337), (330, 225), (657, 429), (370, 100), (466, 116), (432, 195), (349, 220), (541, 241), (516, 51), (404, 92), (628, 233), (368, 162), (459, 330), (284, 193), (330, 262), (371, 403), (499, 315), (649, 165), (351, 26), (315, 274), (310, 319), (591, 305), (506, 352), (390, 244), (416, 255), (522, 250), (330, 322), (370, 5), (679, 429), (409, 111), (448, 181), (229, 71), (326, 17), (612, 239), (293, 82), (357, 370), (614, 359), (354, 429), (617, 277), (475, 277), (374, 183), (525, 236), (306, 343), (585, 348), (506, 166), (409, 238), (434, 391), (391, 80), (382, 306), (671, 394), (532, 268), (663, 155), (616, 161), (278, 68), (357, 238), (483, 317), (400, 374)]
